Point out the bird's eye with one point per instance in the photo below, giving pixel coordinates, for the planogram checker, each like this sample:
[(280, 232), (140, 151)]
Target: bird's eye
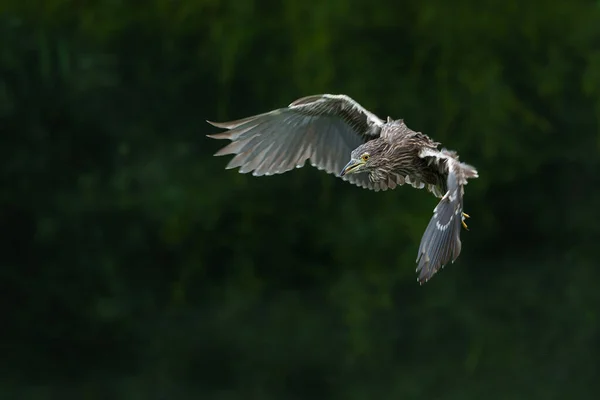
[(365, 157)]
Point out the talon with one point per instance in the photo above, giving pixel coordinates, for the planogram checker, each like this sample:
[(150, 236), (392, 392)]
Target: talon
[(464, 216)]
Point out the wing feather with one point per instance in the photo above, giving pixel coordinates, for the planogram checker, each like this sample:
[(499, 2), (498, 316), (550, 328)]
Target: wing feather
[(441, 243), (321, 128)]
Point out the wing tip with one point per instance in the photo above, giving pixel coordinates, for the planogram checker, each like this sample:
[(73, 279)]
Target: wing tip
[(223, 135), (223, 125)]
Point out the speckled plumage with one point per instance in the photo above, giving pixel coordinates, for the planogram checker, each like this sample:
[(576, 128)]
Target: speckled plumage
[(330, 130)]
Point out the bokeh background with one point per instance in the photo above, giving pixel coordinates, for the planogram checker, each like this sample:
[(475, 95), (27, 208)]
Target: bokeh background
[(134, 266)]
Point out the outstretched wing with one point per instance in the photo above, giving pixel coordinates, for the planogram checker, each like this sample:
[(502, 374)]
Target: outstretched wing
[(321, 128), (441, 243)]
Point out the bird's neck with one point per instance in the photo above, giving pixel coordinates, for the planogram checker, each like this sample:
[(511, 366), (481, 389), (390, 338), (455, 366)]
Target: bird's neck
[(379, 174)]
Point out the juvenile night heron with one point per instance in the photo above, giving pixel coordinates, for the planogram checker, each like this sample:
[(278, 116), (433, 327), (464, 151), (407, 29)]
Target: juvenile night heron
[(327, 130)]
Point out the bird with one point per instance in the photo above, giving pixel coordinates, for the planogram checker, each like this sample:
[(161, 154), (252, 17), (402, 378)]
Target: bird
[(338, 135)]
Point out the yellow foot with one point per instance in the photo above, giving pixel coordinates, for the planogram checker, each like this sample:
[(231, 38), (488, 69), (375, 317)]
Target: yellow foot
[(465, 216)]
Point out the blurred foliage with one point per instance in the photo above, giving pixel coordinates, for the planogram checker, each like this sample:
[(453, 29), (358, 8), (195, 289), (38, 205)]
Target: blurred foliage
[(134, 266)]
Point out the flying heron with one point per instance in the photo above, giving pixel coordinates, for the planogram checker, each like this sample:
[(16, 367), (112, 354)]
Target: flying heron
[(327, 129)]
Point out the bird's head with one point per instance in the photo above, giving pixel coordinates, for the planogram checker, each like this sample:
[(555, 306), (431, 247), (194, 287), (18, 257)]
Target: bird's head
[(365, 158)]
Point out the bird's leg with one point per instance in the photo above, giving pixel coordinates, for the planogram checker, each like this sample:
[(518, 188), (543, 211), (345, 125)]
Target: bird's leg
[(465, 216)]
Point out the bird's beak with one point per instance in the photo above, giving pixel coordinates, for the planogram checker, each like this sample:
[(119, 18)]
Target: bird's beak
[(351, 167)]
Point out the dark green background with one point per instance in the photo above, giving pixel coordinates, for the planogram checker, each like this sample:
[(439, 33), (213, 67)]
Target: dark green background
[(134, 266)]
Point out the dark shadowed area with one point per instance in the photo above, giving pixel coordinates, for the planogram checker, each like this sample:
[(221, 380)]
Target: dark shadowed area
[(134, 266)]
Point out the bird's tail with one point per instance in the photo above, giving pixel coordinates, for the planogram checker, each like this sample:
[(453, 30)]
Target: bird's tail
[(441, 241)]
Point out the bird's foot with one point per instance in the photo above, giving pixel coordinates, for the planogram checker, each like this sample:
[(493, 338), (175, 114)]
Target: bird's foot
[(465, 216)]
